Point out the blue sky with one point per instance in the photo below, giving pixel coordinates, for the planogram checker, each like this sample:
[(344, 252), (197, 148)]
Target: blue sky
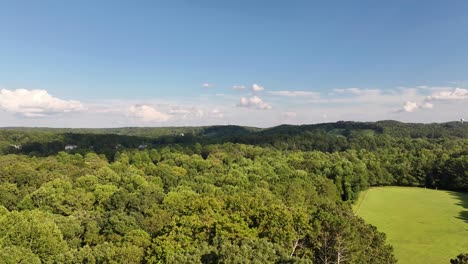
[(156, 63)]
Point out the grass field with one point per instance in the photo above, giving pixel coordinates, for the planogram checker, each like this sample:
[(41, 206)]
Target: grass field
[(423, 225)]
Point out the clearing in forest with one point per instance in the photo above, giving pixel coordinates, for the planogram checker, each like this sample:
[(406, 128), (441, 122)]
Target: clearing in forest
[(422, 225)]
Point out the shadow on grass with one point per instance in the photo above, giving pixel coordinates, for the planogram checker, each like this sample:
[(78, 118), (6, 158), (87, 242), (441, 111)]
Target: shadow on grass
[(463, 202)]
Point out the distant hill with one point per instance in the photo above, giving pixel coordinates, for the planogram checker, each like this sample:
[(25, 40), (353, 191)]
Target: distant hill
[(394, 128), (324, 137)]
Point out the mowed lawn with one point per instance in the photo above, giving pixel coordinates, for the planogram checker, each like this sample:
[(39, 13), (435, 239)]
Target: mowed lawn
[(422, 225)]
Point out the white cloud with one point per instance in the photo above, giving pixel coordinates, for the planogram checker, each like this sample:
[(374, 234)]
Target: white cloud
[(378, 98), (147, 113), (296, 93), (186, 112), (410, 106), (427, 105), (455, 94), (208, 85), (358, 104), (253, 102), (178, 111), (358, 91), (238, 87), (349, 90), (257, 88), (36, 103)]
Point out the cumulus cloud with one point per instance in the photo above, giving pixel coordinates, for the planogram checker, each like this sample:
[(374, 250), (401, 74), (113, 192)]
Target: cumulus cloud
[(427, 105), (296, 93), (253, 102), (36, 103), (438, 94), (410, 106), (207, 85), (147, 113), (238, 87), (257, 88), (401, 103), (455, 94)]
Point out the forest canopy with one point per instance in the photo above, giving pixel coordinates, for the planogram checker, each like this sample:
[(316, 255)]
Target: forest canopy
[(212, 194)]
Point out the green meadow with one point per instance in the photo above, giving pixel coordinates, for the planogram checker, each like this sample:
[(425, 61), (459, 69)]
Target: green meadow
[(423, 225)]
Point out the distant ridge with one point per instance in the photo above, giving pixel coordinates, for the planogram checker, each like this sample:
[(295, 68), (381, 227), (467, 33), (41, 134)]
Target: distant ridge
[(392, 127)]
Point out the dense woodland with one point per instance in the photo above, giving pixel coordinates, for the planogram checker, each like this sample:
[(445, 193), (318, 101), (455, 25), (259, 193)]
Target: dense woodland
[(222, 194)]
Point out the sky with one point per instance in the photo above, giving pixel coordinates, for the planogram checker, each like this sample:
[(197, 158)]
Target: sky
[(257, 63)]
